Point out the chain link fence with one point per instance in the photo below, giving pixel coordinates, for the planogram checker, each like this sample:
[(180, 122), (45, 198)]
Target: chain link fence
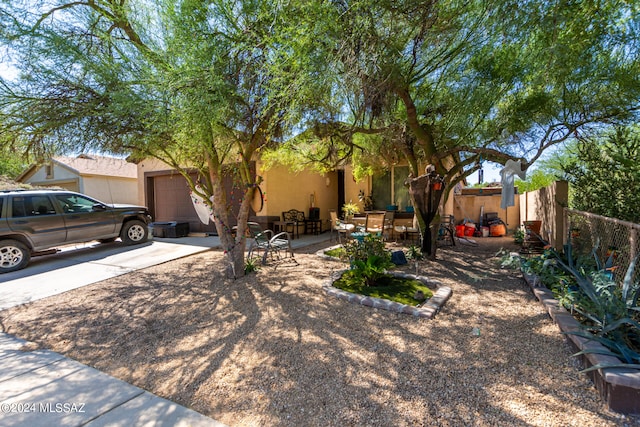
[(616, 242)]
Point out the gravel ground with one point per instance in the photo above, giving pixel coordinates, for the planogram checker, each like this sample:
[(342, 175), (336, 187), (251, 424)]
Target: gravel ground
[(272, 349)]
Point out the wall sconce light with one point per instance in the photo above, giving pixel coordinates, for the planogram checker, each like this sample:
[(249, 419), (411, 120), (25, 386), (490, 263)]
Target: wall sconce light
[(327, 181)]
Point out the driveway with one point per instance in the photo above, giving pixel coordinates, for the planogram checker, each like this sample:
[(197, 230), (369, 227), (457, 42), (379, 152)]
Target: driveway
[(80, 265)]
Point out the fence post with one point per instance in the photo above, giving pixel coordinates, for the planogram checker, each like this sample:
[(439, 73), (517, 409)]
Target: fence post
[(633, 236), (565, 222)]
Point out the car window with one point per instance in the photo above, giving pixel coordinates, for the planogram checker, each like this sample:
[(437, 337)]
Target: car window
[(73, 203), (1, 204), (37, 205)]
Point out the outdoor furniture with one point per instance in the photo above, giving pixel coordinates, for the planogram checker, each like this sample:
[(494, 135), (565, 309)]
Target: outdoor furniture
[(446, 230), (388, 223), (276, 247), (375, 223), (406, 226), (339, 227), (359, 221), (280, 226), (294, 219)]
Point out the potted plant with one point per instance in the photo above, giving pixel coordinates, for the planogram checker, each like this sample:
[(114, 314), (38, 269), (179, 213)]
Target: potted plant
[(350, 209)]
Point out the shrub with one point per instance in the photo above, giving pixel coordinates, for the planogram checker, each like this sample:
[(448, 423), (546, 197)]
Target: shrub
[(371, 245)]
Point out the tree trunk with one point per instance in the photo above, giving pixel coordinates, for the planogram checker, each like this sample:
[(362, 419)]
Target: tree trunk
[(426, 192), (233, 241)]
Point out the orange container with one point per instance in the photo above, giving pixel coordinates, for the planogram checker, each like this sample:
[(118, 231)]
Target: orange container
[(497, 230), (469, 230), (460, 230)]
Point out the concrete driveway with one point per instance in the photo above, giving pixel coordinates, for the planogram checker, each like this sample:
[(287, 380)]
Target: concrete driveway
[(80, 265)]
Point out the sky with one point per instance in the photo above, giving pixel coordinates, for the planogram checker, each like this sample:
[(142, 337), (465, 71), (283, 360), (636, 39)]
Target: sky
[(491, 174)]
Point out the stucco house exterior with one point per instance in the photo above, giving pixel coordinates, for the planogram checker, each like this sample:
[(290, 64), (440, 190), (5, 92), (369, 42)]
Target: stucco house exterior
[(109, 179), (166, 193)]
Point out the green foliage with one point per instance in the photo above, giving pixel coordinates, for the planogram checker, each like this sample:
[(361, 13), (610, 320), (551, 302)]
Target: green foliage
[(369, 258), (604, 173), (336, 252), (518, 235), (371, 245), (251, 265), (349, 209), (367, 201), (609, 313), (535, 180), (372, 269), (414, 253), (387, 287)]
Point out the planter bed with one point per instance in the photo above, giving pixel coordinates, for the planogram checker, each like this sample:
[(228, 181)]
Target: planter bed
[(618, 387), (427, 310)]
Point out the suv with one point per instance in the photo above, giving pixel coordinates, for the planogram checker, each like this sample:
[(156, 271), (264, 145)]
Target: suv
[(34, 221)]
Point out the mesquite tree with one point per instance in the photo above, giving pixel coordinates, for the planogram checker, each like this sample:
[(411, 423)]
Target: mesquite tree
[(451, 84), (201, 85)]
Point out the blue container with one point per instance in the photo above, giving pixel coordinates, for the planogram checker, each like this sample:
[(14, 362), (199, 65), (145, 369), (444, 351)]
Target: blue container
[(359, 235)]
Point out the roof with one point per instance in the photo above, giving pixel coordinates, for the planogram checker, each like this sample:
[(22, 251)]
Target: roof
[(99, 165)]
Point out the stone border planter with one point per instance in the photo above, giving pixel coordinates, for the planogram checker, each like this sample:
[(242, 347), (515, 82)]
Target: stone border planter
[(428, 310), (618, 387)]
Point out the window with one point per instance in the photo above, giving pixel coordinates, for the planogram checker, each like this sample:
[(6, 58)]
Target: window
[(23, 206), (49, 170), (389, 189), (72, 203)]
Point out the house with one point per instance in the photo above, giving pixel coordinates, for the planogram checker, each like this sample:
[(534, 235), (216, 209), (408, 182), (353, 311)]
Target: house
[(108, 179), (166, 193)]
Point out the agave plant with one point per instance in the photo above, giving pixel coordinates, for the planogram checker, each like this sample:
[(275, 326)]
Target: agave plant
[(610, 311)]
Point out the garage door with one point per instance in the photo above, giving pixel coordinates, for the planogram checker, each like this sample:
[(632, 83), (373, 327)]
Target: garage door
[(169, 200)]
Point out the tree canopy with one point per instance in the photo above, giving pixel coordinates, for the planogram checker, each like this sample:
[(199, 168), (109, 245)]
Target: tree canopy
[(204, 83)]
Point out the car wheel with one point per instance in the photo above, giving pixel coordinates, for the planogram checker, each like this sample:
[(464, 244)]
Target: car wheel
[(134, 232), (14, 255)]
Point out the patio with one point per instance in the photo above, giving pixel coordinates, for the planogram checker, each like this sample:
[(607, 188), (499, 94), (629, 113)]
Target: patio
[(274, 349)]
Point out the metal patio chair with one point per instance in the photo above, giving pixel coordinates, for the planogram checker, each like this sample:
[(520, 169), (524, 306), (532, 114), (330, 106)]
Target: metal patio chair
[(277, 247)]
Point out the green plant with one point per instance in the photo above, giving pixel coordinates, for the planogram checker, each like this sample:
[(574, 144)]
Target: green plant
[(610, 313), (392, 288), (251, 265), (518, 235), (371, 270), (338, 252), (367, 201), (415, 253), (361, 250), (350, 209)]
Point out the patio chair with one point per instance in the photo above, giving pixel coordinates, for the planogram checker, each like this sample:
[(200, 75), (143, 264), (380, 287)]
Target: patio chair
[(446, 230), (406, 227), (277, 247), (388, 223), (375, 223), (295, 219), (339, 227)]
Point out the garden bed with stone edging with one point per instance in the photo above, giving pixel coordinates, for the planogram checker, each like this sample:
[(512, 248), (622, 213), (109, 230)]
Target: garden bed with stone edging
[(428, 310), (618, 387)]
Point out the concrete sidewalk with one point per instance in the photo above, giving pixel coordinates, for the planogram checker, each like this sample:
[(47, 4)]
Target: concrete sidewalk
[(44, 388)]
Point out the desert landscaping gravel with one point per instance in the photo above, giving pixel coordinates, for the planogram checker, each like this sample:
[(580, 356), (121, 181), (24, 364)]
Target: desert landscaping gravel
[(273, 349)]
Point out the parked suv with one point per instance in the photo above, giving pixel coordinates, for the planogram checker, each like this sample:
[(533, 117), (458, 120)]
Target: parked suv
[(34, 221)]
